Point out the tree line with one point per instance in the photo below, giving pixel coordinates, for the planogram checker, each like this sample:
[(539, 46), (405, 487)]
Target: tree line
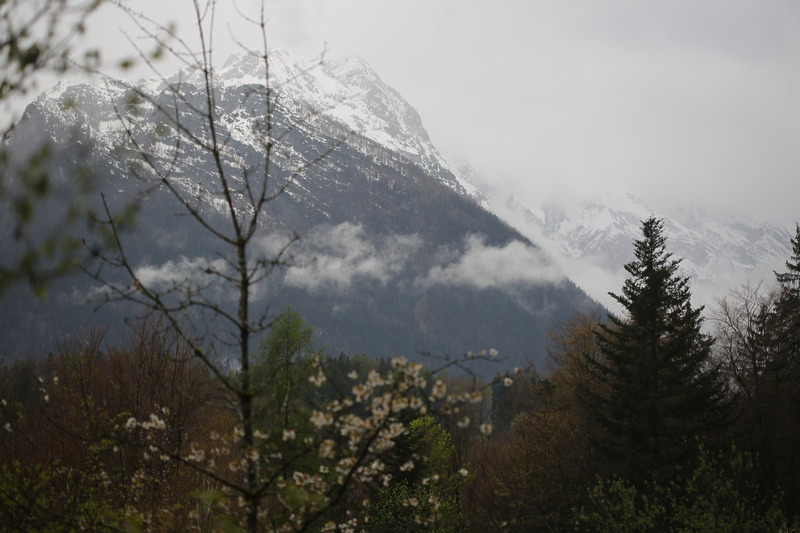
[(644, 422), (648, 423)]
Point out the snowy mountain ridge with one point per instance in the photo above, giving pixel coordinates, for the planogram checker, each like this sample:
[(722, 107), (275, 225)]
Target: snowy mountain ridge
[(346, 92), (593, 240), (393, 255), (341, 96)]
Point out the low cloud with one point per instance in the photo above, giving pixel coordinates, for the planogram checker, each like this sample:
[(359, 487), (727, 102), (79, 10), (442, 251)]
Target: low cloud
[(332, 257), (484, 266), (179, 274)]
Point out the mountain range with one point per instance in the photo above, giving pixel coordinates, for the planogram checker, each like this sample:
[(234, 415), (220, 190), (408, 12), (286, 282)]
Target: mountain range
[(395, 255), (399, 252), (592, 240)]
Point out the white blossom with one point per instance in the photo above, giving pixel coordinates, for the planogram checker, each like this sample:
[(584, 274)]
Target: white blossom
[(320, 419), (318, 379), (326, 449), (399, 362), (439, 389)]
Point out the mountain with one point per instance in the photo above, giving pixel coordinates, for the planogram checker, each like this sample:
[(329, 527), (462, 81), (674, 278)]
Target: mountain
[(593, 240), (395, 253)]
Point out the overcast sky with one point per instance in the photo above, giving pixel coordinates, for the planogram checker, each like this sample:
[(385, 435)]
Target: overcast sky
[(673, 100)]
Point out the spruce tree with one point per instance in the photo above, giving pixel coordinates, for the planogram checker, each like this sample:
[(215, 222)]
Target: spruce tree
[(782, 370), (655, 389), (787, 308), (791, 280)]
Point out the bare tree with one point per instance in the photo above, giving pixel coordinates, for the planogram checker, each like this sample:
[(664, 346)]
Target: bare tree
[(296, 481)]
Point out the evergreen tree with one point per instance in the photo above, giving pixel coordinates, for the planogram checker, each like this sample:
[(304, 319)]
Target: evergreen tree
[(791, 279), (782, 368), (787, 309), (654, 387)]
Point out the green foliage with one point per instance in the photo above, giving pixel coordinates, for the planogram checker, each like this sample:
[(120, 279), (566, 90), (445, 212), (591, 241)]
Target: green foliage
[(718, 496), (281, 371), (426, 498), (37, 497)]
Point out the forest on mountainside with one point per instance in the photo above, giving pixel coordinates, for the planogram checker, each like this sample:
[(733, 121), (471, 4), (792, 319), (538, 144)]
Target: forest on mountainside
[(642, 423)]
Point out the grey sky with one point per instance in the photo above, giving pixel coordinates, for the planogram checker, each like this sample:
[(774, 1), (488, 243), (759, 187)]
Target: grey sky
[(672, 100)]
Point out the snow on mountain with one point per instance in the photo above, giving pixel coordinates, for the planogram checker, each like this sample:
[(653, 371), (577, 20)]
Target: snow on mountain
[(343, 97), (395, 257), (593, 240), (345, 91)]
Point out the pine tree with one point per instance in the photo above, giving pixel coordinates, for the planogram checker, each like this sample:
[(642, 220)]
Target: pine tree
[(655, 390), (787, 308), (782, 368), (791, 280)]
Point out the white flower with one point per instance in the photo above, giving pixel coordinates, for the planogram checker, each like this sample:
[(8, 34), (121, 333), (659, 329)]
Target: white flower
[(320, 419), (8, 427), (463, 423), (360, 391), (130, 424), (154, 423), (508, 382), (475, 397), (353, 375), (288, 434), (463, 472), (439, 389), (318, 380), (485, 429), (493, 353), (326, 449), (399, 362), (408, 465)]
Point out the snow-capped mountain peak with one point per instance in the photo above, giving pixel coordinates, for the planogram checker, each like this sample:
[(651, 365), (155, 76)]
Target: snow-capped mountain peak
[(340, 96), (345, 91)]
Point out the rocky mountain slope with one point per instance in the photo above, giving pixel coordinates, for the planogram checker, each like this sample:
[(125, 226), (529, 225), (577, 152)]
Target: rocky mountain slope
[(395, 255)]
